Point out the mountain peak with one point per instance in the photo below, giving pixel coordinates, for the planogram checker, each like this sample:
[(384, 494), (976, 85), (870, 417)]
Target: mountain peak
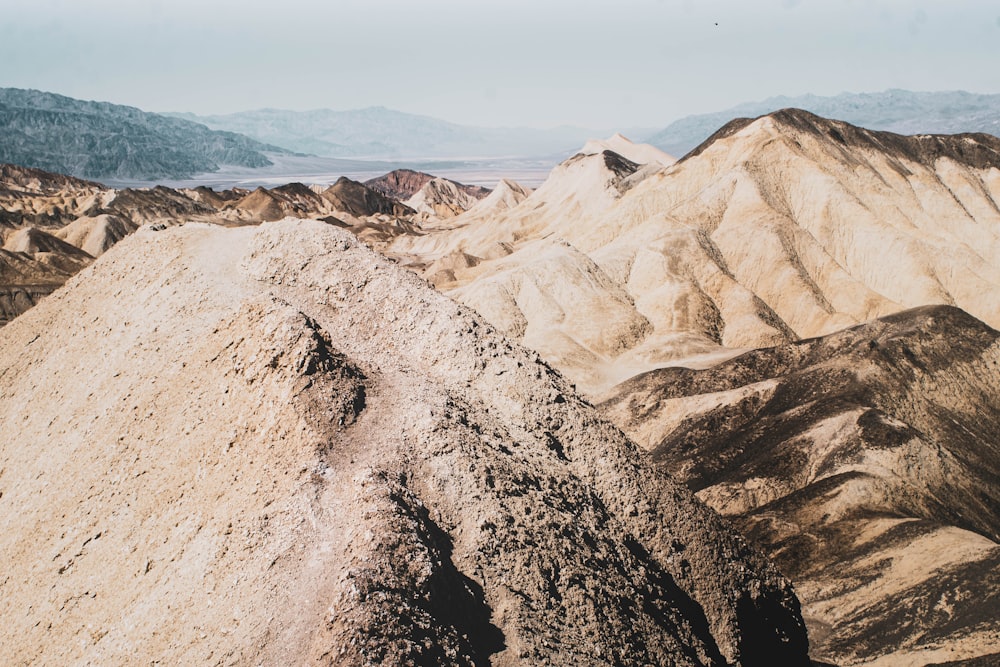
[(622, 145), (975, 150), (901, 111)]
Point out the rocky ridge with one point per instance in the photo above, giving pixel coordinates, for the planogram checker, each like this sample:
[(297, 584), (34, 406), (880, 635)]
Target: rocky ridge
[(102, 140), (390, 481)]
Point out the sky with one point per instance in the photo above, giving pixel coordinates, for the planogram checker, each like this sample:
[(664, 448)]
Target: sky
[(538, 63)]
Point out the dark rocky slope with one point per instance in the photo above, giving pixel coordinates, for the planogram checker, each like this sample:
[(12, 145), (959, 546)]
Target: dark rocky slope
[(866, 463)]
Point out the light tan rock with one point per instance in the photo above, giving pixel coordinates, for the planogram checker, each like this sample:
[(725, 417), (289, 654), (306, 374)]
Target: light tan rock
[(773, 230)]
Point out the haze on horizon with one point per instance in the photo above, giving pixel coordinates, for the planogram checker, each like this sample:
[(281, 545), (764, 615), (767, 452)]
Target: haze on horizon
[(593, 63)]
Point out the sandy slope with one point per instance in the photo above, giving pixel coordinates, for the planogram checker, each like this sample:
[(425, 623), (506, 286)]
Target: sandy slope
[(783, 227)]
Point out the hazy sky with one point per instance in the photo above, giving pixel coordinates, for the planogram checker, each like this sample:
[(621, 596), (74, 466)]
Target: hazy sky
[(595, 63)]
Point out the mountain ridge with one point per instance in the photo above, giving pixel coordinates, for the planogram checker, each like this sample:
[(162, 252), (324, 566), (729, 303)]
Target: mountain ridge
[(101, 140), (776, 265), (899, 111), (864, 462), (380, 132)]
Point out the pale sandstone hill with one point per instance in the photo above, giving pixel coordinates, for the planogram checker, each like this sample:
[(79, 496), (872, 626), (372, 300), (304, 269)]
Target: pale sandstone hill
[(778, 228), (505, 195), (441, 198), (95, 235), (581, 186), (441, 271), (270, 445), (34, 241), (866, 463), (638, 153)]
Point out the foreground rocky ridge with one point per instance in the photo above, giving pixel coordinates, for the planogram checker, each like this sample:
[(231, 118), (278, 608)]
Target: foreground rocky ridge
[(269, 444), (866, 463)]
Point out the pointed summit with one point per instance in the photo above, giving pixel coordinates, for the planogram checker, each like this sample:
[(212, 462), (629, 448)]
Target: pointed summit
[(644, 154)]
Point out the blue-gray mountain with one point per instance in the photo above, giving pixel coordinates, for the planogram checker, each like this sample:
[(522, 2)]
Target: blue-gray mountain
[(385, 133), (900, 111), (108, 141)]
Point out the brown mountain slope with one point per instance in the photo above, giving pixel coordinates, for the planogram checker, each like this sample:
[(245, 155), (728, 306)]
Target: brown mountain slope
[(15, 178), (866, 462), (270, 445), (33, 263), (359, 200), (778, 228), (91, 218), (401, 184)]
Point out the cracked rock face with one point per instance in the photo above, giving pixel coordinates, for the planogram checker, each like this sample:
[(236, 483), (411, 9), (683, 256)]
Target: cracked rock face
[(271, 445)]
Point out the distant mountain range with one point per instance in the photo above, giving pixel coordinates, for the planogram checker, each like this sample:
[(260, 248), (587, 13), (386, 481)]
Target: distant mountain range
[(377, 132), (99, 140), (900, 111), (103, 140)]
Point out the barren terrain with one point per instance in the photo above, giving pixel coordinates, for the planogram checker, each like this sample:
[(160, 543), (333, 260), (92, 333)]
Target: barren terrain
[(239, 435), (268, 444)]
